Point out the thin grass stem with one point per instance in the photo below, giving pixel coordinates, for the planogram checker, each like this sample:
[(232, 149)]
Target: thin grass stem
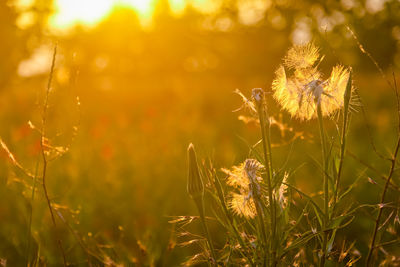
[(28, 246), (369, 261), (43, 151)]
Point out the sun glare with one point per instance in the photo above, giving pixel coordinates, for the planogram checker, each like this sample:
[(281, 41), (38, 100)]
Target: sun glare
[(69, 13), (90, 12)]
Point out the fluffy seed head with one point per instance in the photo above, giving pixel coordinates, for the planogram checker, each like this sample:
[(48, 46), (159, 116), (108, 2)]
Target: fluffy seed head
[(246, 178), (242, 205), (302, 56), (304, 88), (242, 175), (236, 176)]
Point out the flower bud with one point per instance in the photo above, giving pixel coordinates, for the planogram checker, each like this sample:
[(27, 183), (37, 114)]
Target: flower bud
[(258, 95), (195, 185), (347, 92)]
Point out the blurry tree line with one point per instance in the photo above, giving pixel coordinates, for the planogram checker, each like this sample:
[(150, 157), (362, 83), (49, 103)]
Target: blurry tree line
[(242, 35)]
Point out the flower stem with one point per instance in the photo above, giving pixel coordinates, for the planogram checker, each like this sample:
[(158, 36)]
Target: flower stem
[(266, 141), (325, 185), (200, 207), (231, 220), (347, 97)]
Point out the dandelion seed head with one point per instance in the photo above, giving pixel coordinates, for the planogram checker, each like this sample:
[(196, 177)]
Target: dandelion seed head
[(242, 205), (302, 56), (334, 90), (246, 178), (242, 175), (300, 92), (237, 177)]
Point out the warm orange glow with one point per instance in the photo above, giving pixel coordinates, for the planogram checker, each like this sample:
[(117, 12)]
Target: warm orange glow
[(69, 12), (90, 12)]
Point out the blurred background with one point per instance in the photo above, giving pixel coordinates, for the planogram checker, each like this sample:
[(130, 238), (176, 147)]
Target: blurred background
[(136, 80)]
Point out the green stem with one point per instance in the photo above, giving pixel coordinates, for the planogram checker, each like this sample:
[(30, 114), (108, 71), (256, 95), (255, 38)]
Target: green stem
[(231, 220), (347, 97), (260, 217), (325, 185), (200, 207), (341, 159), (266, 141)]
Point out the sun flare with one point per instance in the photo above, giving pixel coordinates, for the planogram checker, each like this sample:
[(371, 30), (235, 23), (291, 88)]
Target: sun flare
[(68, 13), (90, 12)]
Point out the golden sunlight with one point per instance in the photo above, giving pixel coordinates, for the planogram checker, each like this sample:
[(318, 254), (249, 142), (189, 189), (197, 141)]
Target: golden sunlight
[(89, 12), (69, 13)]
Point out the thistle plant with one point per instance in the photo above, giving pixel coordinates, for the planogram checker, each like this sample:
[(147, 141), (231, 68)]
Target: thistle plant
[(259, 99), (269, 221), (306, 95)]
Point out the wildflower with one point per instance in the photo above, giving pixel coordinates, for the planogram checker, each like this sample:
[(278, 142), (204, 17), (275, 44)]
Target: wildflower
[(246, 178), (304, 88)]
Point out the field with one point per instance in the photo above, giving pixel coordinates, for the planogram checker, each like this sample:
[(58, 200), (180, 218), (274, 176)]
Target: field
[(293, 160)]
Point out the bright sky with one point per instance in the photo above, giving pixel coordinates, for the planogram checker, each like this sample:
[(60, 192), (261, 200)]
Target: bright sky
[(90, 12), (68, 13)]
